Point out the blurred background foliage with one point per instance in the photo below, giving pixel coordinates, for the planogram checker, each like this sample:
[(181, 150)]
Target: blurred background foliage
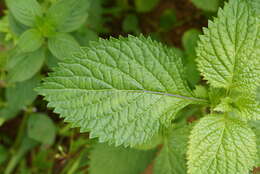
[(33, 140)]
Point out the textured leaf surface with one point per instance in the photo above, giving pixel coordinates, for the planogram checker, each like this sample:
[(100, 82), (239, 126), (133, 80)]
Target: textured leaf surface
[(219, 145), (256, 128), (68, 15), (41, 128), (106, 159), (229, 51), (24, 66), (63, 45), (30, 41), (172, 158), (25, 11), (120, 90)]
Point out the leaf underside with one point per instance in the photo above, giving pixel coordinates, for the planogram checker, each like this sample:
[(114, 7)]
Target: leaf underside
[(219, 145), (120, 90)]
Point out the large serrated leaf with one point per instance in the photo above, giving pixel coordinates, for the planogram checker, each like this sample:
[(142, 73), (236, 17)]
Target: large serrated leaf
[(119, 90), (25, 11), (220, 145), (229, 51), (172, 158), (106, 159)]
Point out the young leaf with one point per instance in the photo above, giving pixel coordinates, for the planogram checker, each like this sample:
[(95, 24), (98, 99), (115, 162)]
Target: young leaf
[(23, 66), (19, 96), (30, 41), (41, 128), (219, 144), (25, 11), (172, 158), (211, 6), (120, 90), (63, 45), (68, 15), (118, 160), (229, 51)]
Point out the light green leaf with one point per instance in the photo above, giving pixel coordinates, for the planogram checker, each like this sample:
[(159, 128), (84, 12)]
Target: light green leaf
[(25, 11), (68, 15), (172, 158), (30, 41), (41, 128), (23, 66), (63, 45), (106, 159), (221, 145), (256, 128), (229, 51), (211, 6), (119, 89), (189, 41), (19, 96)]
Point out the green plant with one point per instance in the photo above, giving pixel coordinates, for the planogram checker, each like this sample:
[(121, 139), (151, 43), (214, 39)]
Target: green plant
[(129, 91)]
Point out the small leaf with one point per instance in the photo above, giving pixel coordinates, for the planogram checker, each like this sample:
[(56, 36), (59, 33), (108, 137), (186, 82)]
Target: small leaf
[(41, 128), (19, 96), (23, 66), (168, 19), (68, 15), (63, 45), (25, 11), (30, 41), (222, 145), (229, 51), (211, 6), (16, 27), (145, 5), (106, 159), (120, 90), (172, 158), (131, 24)]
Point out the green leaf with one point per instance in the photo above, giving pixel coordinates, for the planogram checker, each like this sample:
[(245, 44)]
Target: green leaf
[(68, 15), (4, 154), (25, 11), (145, 5), (229, 51), (19, 96), (24, 66), (119, 89), (168, 19), (63, 45), (221, 145), (15, 26), (30, 41), (41, 128), (118, 160), (131, 24), (172, 158), (256, 128), (189, 41), (211, 6)]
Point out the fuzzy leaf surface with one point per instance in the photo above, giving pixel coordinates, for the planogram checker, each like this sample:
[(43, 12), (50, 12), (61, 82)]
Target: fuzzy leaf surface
[(120, 90), (25, 11), (118, 160), (220, 145), (172, 158), (229, 51)]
